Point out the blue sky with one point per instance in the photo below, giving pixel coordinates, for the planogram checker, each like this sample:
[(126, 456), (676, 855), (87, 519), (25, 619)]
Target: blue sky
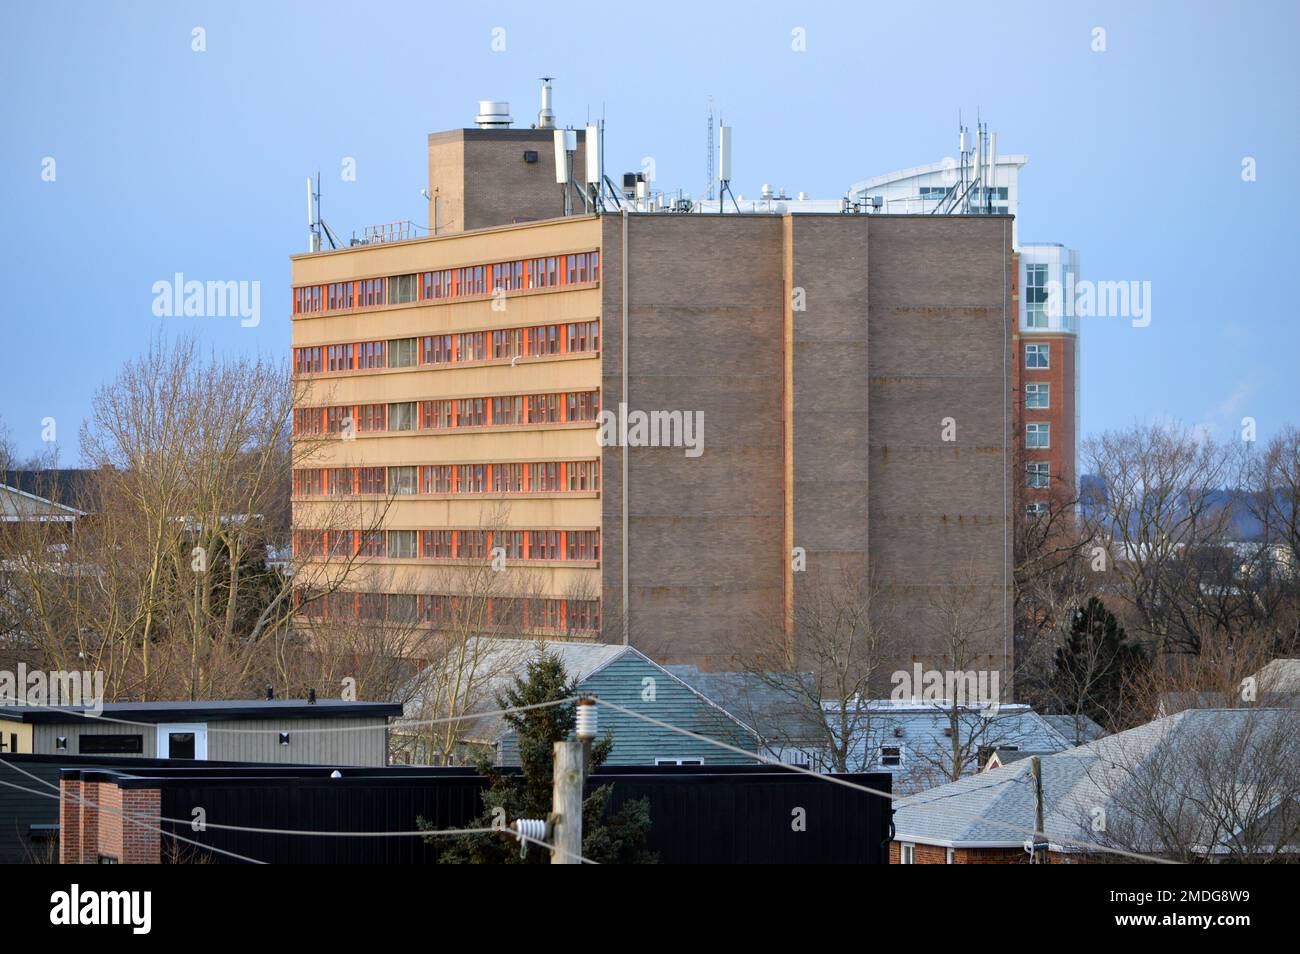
[(169, 160)]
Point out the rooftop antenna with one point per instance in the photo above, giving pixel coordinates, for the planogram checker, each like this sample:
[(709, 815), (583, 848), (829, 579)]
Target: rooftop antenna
[(724, 167), (315, 224), (708, 166), (313, 235)]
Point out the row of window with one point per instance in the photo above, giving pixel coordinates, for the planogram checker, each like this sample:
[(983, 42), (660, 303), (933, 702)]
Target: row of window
[(468, 347), (540, 477), (511, 409), (522, 612), (547, 545), (553, 271)]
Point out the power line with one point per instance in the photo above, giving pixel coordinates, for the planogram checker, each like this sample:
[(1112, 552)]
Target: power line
[(418, 723), (969, 816), (138, 819), (125, 815)]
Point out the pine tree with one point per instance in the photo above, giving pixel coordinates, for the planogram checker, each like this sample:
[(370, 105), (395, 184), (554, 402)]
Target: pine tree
[(1097, 665), (608, 837)]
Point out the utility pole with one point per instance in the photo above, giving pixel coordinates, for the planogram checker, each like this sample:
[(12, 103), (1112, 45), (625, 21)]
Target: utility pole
[(1036, 767), (566, 804)]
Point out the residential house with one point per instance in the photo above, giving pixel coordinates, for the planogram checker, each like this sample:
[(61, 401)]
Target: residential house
[(620, 674), (1207, 784)]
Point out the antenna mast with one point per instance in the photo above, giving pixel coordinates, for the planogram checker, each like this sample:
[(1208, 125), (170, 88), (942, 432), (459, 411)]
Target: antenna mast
[(708, 165)]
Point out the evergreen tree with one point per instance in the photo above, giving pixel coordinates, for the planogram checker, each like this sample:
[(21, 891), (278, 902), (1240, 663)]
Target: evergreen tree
[(1097, 665), (608, 837)]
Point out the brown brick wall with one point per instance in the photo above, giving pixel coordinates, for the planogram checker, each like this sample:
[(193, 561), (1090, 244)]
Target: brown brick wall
[(483, 181), (705, 311), (107, 822), (905, 324)]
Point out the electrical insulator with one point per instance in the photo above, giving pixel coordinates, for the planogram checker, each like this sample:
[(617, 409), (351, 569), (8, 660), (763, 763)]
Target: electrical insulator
[(526, 828), (586, 729)]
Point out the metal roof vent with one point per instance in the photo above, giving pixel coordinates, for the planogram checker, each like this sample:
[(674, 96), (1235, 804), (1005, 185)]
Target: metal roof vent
[(493, 114)]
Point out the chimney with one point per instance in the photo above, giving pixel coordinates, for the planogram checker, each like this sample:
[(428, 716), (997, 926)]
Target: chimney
[(546, 118)]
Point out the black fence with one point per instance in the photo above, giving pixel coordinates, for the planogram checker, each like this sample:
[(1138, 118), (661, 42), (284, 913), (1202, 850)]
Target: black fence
[(749, 814)]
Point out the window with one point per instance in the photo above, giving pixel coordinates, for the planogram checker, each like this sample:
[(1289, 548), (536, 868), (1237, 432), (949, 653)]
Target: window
[(1037, 509), (891, 755), (110, 744), (1035, 296), (307, 360), (471, 478), (508, 343), (338, 420), (471, 544), (472, 346), (906, 854), (544, 545), (401, 544), (402, 417), (584, 336), (471, 412), (1037, 356), (543, 478), (678, 761), (370, 417), (584, 615), (308, 420), (438, 479), (511, 541), (401, 289), (544, 339), (508, 410), (370, 354), (403, 353), (372, 543), (339, 357), (435, 415), (582, 406), (435, 609), (401, 480), (402, 607), (583, 474), (340, 481), (1038, 396), (583, 544), (438, 350), (948, 856), (371, 480), (372, 292), (1037, 475), (543, 408), (342, 543), (1038, 436), (436, 544), (507, 478)]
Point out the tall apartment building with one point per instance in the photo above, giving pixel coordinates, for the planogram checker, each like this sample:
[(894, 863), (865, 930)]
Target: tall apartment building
[(851, 372)]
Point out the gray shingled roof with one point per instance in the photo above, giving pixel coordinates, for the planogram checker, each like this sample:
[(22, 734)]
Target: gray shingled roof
[(1075, 729), (996, 808)]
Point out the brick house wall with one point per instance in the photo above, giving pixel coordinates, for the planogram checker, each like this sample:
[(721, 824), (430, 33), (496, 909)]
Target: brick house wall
[(937, 855), (96, 822)]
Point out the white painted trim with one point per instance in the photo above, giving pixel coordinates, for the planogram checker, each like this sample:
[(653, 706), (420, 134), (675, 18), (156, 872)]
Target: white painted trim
[(200, 730)]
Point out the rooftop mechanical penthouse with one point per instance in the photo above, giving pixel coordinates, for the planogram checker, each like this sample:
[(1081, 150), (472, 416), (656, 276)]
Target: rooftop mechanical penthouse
[(852, 373)]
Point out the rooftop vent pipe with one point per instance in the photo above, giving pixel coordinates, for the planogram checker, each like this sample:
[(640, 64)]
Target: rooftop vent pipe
[(493, 114), (546, 118)]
